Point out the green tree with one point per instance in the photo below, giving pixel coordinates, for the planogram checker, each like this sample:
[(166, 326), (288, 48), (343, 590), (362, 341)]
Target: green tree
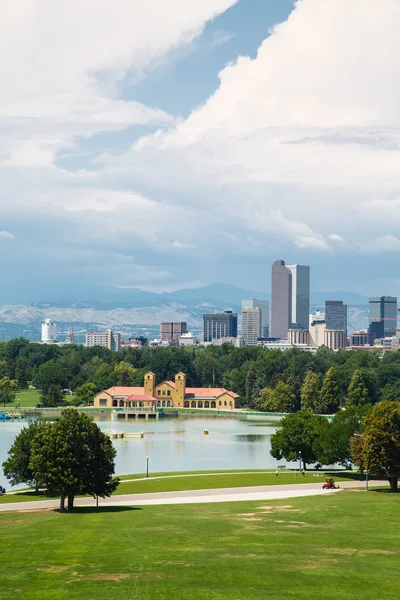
[(381, 448), (310, 391), (336, 436), (17, 466), (358, 393), (280, 399), (252, 386), (125, 373), (85, 394), (329, 399), (298, 438), (52, 396), (7, 390), (73, 456), (391, 392)]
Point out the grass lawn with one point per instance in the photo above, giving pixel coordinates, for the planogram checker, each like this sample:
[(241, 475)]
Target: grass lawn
[(190, 481), (344, 545), (29, 397)]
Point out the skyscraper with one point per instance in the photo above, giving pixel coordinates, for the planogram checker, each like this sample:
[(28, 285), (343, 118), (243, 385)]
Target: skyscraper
[(171, 331), (219, 325), (300, 296), (251, 325), (264, 305), (383, 316), (281, 300), (290, 298), (336, 315)]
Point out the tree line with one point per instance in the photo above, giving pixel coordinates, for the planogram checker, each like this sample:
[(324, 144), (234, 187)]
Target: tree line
[(270, 380), (368, 437)]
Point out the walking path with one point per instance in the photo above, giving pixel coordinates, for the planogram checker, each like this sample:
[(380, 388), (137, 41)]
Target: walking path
[(268, 492)]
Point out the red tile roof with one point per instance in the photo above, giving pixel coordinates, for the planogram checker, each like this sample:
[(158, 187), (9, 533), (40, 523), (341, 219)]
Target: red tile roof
[(171, 383), (124, 391), (141, 398), (208, 393)]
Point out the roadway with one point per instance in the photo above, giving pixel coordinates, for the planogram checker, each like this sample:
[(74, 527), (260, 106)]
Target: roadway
[(268, 492)]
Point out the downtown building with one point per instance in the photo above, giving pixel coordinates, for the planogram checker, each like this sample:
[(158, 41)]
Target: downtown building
[(382, 316), (171, 331), (251, 326), (290, 299), (107, 339), (219, 325)]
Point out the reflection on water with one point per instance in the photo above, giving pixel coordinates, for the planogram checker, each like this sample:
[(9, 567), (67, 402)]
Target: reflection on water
[(178, 444), (251, 437)]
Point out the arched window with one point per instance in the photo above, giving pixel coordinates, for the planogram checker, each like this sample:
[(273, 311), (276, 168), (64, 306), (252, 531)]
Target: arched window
[(206, 404), (163, 403), (158, 403), (121, 403), (193, 404), (213, 404), (186, 404), (169, 404), (115, 403), (200, 404)]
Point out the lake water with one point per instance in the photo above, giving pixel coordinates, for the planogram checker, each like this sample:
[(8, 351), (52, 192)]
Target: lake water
[(178, 444)]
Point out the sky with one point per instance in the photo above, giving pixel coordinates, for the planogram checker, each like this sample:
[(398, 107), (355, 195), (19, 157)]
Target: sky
[(165, 145)]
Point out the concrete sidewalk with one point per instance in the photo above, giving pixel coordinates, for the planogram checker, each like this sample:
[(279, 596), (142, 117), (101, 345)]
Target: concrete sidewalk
[(268, 492)]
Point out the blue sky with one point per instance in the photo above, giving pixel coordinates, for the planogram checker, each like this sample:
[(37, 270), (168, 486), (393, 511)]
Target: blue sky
[(167, 145)]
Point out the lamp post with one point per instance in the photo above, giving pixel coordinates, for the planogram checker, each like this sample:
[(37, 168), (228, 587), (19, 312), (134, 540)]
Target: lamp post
[(147, 466)]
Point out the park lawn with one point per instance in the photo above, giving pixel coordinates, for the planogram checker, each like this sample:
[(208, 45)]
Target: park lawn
[(172, 482), (26, 398), (344, 545)]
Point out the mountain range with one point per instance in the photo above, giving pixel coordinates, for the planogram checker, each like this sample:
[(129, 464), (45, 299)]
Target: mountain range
[(138, 312)]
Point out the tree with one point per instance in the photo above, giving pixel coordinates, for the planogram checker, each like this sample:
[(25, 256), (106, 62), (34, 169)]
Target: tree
[(125, 373), (52, 396), (73, 456), (298, 438), (281, 398), (17, 466), (85, 394), (358, 393), (381, 448), (309, 392), (252, 386), (329, 399), (391, 392), (336, 437), (357, 450), (7, 390)]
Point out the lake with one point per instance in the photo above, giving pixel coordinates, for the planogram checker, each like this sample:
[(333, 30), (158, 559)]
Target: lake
[(179, 444)]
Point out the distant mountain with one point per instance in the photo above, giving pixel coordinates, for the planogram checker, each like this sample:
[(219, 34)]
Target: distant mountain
[(349, 298)]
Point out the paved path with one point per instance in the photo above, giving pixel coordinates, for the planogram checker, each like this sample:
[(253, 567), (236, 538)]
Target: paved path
[(268, 492)]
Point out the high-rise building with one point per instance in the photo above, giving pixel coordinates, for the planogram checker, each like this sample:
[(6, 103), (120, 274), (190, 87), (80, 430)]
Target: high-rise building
[(317, 329), (251, 325), (335, 339), (70, 336), (171, 331), (290, 298), (336, 315), (300, 296), (108, 339), (264, 305), (299, 336), (49, 332), (383, 316), (219, 325), (281, 300)]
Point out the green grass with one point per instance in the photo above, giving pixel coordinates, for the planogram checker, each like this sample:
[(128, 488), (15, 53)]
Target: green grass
[(26, 398), (195, 481), (341, 546)]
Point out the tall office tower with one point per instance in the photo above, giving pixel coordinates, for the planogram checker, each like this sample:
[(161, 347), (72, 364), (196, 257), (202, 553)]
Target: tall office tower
[(383, 316), (336, 315), (219, 325), (251, 325), (49, 332), (264, 305), (108, 339), (300, 296), (281, 300), (171, 331)]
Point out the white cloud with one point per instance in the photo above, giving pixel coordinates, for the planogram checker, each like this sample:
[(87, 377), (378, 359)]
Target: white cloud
[(385, 243), (7, 235)]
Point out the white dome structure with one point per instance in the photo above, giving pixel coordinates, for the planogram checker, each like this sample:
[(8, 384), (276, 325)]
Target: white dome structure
[(49, 332)]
